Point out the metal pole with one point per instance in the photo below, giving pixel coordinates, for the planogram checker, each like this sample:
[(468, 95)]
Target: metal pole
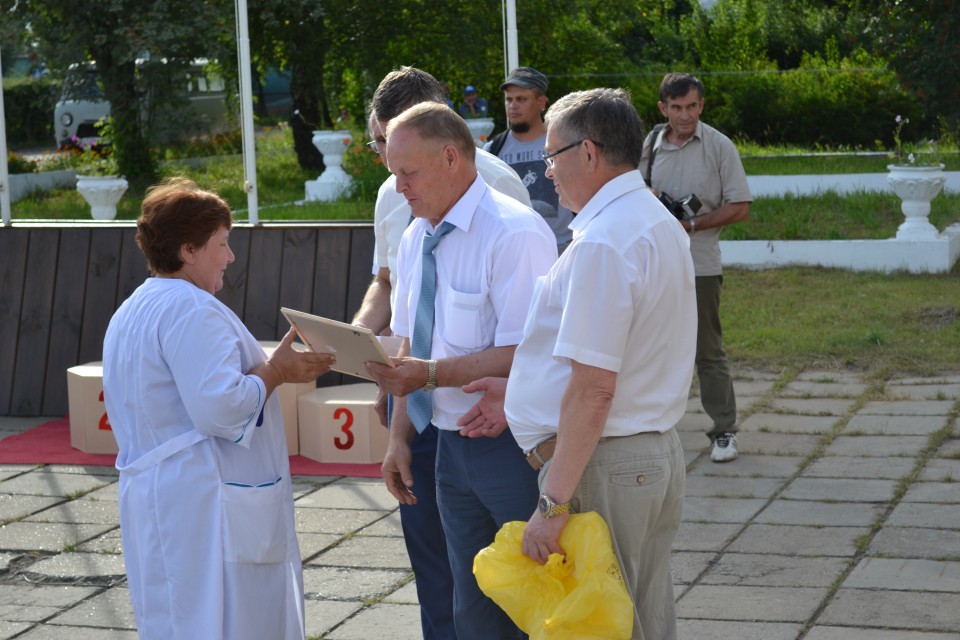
[(513, 49), (4, 174), (246, 112)]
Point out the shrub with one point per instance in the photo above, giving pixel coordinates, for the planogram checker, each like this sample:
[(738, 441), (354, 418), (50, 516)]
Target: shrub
[(17, 163), (28, 108)]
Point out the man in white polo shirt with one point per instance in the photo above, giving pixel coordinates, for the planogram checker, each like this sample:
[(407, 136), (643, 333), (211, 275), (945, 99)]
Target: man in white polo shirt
[(602, 373)]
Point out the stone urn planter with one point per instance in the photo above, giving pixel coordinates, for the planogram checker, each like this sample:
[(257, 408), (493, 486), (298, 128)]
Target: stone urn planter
[(480, 128), (334, 181), (102, 194), (916, 186)]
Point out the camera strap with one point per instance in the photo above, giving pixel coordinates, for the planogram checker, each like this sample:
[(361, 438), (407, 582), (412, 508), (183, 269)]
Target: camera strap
[(653, 137)]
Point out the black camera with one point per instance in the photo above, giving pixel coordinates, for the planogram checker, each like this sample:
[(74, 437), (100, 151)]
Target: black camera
[(682, 209)]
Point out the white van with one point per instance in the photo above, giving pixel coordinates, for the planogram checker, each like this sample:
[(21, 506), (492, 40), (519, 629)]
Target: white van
[(83, 104)]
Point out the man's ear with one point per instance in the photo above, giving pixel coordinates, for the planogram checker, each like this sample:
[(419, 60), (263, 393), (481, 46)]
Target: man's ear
[(663, 109), (451, 156)]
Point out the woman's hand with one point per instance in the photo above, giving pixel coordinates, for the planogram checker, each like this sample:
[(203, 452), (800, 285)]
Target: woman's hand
[(290, 365)]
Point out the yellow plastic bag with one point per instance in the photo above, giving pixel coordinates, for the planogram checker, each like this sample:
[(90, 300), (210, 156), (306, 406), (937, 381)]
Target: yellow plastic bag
[(581, 597)]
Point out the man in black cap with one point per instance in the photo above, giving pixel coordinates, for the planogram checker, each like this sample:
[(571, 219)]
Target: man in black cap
[(521, 146)]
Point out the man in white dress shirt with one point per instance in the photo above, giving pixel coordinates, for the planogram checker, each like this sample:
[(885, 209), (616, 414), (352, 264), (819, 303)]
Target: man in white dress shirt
[(423, 532), (487, 265)]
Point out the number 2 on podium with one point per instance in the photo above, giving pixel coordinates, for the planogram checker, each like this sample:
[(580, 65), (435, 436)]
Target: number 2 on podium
[(347, 415), (104, 420)]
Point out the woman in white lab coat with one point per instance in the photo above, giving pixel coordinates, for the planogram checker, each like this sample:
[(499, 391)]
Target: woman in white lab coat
[(206, 501)]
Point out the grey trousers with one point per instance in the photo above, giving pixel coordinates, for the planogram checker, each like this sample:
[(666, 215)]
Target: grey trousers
[(636, 484), (713, 370)]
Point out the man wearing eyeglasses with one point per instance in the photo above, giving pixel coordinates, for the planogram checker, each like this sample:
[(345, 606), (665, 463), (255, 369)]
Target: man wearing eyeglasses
[(521, 145), (423, 533), (601, 376)]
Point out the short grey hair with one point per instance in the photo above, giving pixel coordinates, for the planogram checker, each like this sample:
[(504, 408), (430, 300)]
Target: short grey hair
[(605, 116), (437, 122)]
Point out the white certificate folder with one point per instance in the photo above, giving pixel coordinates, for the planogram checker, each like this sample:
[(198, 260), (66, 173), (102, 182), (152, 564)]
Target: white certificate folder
[(351, 345)]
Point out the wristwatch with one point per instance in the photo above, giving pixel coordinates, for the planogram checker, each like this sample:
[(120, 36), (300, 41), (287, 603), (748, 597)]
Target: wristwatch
[(548, 508), (431, 376)]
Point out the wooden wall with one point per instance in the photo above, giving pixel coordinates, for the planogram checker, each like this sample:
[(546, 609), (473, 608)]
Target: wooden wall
[(59, 286)]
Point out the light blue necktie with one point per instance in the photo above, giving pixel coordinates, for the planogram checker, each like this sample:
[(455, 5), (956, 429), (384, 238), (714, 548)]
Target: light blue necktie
[(420, 403)]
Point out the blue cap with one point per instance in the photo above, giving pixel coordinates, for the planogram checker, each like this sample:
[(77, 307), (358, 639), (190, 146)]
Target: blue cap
[(470, 89)]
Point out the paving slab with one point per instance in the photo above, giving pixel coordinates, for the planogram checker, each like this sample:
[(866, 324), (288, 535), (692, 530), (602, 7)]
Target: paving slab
[(335, 521), (859, 467), (812, 406), (348, 496), (769, 604), (384, 527), (847, 633), (729, 510), (777, 444), (877, 446), (843, 489), (725, 630), (72, 565), (905, 575), (344, 583), (798, 540), (940, 379), (788, 423), (79, 511), (951, 448), (907, 407), (25, 602), (407, 594), (940, 391), (403, 621), (40, 536), (323, 615), (695, 422), (829, 514), (686, 566), (749, 465), (940, 492), (694, 442), (108, 542), (57, 632), (313, 544), (941, 470), (918, 514), (366, 552), (815, 389), (701, 536), (913, 542), (881, 425), (736, 487), (17, 507), (893, 610), (111, 610), (751, 388), (829, 376), (755, 569), (44, 483)]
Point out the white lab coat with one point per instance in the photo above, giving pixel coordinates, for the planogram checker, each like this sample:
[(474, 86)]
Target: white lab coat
[(206, 501)]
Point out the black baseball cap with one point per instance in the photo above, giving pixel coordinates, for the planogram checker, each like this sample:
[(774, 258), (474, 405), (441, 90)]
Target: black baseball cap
[(526, 77)]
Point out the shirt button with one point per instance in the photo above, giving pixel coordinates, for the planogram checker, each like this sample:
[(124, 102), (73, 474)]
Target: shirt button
[(641, 479)]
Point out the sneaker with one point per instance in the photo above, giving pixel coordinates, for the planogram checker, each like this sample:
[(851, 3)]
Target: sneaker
[(724, 448)]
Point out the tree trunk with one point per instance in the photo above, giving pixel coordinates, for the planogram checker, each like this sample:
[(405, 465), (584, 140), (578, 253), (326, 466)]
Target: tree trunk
[(129, 143)]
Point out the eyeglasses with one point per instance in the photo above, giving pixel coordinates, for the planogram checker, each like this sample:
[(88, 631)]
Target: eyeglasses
[(548, 157), (374, 146)]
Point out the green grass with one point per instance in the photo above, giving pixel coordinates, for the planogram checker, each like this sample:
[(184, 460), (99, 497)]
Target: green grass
[(835, 319)]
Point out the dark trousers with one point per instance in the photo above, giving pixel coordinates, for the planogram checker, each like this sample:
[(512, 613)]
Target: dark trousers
[(426, 543), (482, 483), (713, 370)]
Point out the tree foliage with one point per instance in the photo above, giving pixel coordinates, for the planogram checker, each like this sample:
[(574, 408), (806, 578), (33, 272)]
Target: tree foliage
[(115, 34)]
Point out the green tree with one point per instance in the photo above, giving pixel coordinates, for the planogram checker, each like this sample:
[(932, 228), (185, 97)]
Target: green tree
[(921, 38), (115, 34)]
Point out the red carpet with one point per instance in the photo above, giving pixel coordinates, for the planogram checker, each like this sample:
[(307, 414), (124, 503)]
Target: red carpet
[(49, 443)]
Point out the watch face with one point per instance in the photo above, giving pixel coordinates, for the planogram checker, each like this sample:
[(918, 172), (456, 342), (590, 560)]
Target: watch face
[(543, 505)]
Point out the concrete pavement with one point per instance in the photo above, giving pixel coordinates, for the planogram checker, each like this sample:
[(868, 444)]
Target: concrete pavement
[(839, 521)]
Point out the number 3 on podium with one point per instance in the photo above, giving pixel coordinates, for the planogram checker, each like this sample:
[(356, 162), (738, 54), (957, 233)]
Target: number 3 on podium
[(347, 416)]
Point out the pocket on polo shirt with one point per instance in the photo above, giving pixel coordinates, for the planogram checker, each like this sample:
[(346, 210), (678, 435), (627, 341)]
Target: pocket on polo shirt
[(463, 319)]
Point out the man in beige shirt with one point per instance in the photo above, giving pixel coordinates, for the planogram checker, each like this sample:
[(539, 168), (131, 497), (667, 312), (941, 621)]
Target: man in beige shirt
[(689, 157)]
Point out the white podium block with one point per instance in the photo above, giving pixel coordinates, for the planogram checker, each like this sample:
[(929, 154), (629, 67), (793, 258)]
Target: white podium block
[(90, 429), (339, 424), (288, 394)]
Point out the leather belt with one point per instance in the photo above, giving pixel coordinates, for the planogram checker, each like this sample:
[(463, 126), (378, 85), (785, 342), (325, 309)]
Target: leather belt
[(541, 454)]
